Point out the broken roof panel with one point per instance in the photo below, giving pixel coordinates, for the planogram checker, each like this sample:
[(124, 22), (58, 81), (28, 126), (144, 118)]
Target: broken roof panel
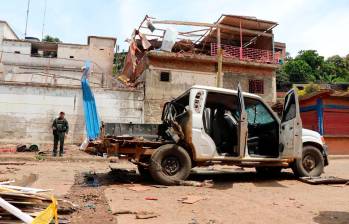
[(247, 22), (250, 28)]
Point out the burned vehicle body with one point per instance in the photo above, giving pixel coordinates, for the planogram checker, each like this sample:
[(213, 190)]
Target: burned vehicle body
[(208, 125)]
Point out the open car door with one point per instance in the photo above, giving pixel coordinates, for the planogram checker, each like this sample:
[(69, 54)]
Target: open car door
[(242, 124), (291, 128)]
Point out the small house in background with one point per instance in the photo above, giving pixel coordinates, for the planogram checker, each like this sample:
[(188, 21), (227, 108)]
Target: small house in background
[(327, 112)]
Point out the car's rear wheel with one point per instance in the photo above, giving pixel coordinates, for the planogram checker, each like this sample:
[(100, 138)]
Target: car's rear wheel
[(170, 164), (311, 164)]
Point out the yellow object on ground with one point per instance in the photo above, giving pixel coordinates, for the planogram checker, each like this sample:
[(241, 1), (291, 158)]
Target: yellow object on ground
[(48, 214)]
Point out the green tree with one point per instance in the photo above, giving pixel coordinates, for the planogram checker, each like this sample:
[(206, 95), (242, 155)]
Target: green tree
[(282, 76), (49, 38), (309, 66), (298, 71), (314, 60), (311, 57)]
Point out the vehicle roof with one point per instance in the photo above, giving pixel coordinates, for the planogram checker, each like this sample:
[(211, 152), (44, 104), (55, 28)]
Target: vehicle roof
[(226, 91)]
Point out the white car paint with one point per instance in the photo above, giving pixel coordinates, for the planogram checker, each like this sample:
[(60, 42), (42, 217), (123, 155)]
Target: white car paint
[(311, 136)]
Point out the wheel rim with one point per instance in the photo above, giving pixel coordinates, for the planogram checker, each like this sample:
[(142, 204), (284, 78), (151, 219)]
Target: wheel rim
[(309, 162), (170, 165)]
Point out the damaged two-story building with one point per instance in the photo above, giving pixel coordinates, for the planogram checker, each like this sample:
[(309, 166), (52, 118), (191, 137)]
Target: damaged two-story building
[(168, 57)]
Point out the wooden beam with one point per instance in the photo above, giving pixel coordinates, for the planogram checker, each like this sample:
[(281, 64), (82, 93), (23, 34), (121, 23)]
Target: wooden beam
[(236, 29), (194, 31), (219, 57)]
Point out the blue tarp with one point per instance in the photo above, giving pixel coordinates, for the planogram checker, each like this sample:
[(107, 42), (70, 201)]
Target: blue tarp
[(92, 120)]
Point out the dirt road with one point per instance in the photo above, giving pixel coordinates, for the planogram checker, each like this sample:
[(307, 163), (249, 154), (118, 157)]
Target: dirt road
[(235, 195)]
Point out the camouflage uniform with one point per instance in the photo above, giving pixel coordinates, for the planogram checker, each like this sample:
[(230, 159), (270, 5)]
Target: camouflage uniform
[(61, 127)]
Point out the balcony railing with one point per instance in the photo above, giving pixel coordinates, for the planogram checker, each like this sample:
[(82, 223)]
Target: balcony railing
[(247, 54)]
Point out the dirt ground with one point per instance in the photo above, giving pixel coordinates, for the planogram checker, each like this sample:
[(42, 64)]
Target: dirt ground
[(232, 196)]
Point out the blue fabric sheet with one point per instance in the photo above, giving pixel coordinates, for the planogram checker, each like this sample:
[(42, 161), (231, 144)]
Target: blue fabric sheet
[(92, 121)]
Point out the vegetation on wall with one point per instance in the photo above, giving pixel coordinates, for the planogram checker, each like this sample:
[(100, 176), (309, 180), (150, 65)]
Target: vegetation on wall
[(119, 59), (310, 67), (309, 89)]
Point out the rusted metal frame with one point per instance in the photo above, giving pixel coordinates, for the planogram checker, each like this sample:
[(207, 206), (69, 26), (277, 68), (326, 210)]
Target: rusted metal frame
[(137, 151), (222, 26), (241, 56), (207, 32), (154, 35), (181, 33), (265, 31), (194, 31), (189, 35)]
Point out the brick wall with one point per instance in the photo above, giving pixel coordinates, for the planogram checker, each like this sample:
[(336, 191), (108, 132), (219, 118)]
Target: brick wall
[(186, 73)]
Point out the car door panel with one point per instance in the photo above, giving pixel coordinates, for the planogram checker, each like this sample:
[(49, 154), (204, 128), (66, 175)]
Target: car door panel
[(291, 128), (242, 124)]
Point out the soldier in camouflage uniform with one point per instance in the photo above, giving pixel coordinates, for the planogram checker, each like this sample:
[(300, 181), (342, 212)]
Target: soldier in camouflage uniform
[(60, 128)]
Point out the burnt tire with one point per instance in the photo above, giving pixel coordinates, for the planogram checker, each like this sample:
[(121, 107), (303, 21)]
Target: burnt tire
[(311, 164), (170, 164), (268, 171)]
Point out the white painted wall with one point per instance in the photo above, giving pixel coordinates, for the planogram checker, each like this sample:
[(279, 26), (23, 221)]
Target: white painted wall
[(27, 112), (6, 32), (19, 65)]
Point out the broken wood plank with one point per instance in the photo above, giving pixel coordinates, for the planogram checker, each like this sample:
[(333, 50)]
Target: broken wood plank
[(139, 188), (146, 215), (323, 180), (191, 199), (12, 163)]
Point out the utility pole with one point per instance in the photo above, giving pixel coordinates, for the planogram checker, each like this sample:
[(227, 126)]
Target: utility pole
[(219, 58), (26, 21), (43, 21)]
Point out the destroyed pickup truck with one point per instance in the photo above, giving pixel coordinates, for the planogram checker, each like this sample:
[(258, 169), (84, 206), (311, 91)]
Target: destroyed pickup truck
[(207, 125)]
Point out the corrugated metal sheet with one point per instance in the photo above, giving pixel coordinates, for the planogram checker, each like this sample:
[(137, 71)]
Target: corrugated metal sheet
[(310, 120), (92, 120), (336, 122)]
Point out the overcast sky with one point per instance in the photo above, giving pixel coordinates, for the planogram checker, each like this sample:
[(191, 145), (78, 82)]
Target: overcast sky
[(303, 24)]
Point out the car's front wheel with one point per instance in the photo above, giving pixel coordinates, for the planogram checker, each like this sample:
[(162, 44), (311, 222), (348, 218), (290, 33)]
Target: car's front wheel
[(311, 164)]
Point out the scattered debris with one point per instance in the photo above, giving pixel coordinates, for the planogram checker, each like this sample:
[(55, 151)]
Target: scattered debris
[(6, 150), (139, 188), (40, 156), (26, 204), (139, 215), (123, 212), (6, 181), (66, 207), (191, 199), (159, 186), (146, 215), (90, 206), (324, 180), (24, 148), (206, 183), (123, 175), (91, 179), (151, 198)]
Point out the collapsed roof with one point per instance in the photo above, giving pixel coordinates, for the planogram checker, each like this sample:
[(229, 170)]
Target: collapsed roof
[(236, 35)]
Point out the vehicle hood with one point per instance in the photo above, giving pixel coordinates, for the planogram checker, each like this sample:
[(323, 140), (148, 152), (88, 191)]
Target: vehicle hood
[(308, 132)]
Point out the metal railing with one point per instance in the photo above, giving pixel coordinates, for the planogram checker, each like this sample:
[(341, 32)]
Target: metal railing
[(247, 54)]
